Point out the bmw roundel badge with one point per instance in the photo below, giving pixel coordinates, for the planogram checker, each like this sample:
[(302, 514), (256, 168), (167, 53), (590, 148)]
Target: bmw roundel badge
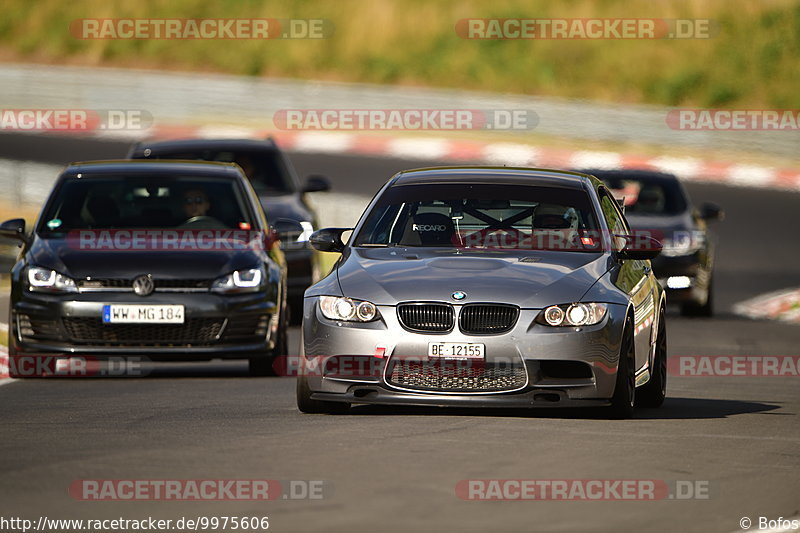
[(459, 295)]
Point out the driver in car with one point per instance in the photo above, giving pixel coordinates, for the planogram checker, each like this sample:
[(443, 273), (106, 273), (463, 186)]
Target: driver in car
[(195, 203)]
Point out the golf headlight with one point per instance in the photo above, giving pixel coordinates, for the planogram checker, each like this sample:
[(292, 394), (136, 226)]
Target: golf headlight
[(577, 314), (347, 309), (44, 280), (681, 245), (248, 280)]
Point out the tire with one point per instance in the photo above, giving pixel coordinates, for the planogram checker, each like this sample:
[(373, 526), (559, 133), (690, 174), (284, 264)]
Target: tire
[(296, 310), (306, 405), (705, 310), (264, 365), (624, 397), (653, 393)]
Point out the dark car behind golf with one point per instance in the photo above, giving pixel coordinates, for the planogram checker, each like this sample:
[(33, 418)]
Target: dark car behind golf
[(281, 194), (657, 202), (159, 260)]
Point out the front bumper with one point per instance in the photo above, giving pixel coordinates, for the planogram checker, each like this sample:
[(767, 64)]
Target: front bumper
[(215, 326), (560, 366)]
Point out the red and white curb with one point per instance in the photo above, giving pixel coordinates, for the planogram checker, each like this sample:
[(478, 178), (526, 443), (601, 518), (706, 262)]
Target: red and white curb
[(495, 153), (783, 306), (4, 358)]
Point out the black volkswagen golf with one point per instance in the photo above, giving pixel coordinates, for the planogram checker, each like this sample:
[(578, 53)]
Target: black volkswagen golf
[(163, 260)]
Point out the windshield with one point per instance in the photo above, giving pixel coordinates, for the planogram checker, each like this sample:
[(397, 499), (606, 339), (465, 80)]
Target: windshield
[(481, 216), (146, 202), (264, 169), (648, 197)]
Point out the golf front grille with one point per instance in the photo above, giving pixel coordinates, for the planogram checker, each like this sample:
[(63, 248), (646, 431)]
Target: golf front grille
[(159, 285), (456, 376), (487, 319), (92, 331), (426, 317)]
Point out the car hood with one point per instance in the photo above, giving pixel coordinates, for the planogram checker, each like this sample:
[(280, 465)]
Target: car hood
[(64, 256), (387, 276), (288, 206)]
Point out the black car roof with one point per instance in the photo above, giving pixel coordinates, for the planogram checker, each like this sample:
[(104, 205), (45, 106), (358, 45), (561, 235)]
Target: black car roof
[(165, 147), (493, 175), (128, 167)]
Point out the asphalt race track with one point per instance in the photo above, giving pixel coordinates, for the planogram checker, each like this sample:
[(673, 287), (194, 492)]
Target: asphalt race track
[(397, 469)]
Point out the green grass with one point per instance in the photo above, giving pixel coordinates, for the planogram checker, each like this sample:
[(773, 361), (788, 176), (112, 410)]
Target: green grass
[(752, 60)]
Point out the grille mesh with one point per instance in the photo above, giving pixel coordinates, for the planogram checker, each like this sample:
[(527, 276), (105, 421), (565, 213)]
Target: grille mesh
[(486, 319), (107, 283), (92, 331), (456, 376), (243, 328), (436, 318), (36, 328)]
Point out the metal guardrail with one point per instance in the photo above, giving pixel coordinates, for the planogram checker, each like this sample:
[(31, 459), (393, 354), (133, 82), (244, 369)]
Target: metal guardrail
[(181, 98)]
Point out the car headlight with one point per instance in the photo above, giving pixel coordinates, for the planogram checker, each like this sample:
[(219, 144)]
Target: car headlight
[(576, 314), (347, 309), (683, 243), (45, 280), (248, 280)]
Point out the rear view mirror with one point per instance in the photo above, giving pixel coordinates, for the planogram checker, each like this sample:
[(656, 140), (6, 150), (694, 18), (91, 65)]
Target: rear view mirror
[(709, 211), (288, 231), (328, 239), (317, 184), (13, 229), (639, 247)]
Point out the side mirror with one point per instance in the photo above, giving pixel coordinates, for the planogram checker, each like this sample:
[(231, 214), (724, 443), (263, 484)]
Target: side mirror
[(288, 231), (13, 229), (328, 239), (317, 184), (709, 211), (639, 247)]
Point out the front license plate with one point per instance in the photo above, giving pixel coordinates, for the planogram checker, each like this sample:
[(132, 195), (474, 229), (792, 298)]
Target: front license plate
[(457, 350), (142, 314)]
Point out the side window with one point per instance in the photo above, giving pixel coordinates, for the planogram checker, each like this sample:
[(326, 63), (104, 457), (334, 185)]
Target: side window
[(614, 219)]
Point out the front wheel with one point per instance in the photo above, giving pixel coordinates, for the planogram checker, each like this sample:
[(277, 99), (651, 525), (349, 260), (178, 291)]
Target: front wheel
[(306, 405), (705, 310), (653, 393), (264, 365), (625, 388)]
